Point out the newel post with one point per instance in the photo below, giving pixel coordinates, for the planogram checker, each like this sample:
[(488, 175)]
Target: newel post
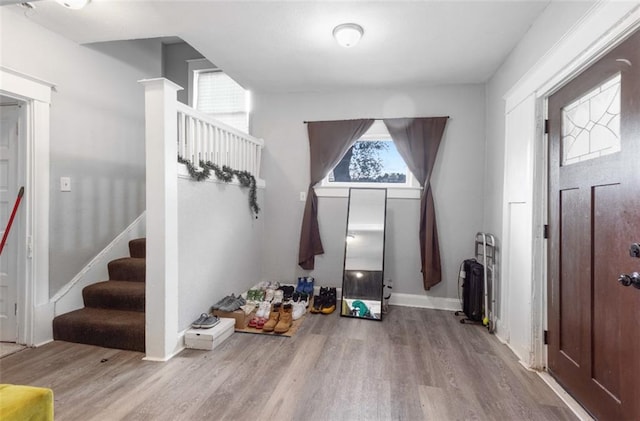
[(161, 332)]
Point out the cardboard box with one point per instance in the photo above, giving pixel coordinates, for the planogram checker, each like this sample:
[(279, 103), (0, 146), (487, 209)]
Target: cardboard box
[(208, 339), (242, 319)]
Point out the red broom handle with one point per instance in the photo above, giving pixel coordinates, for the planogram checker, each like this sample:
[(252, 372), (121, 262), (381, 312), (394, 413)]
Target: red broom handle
[(13, 214)]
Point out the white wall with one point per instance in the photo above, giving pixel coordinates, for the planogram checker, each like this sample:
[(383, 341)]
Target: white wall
[(220, 244), (457, 181), (175, 66), (548, 29), (510, 213), (97, 134), (69, 297)]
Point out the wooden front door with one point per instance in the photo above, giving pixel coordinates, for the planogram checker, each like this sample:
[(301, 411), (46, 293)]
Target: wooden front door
[(594, 218)]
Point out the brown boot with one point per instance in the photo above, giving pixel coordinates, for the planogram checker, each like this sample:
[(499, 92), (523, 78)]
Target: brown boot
[(274, 317), (286, 318)]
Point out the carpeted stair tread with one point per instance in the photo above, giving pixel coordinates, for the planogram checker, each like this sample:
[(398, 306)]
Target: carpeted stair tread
[(107, 328), (127, 269), (113, 316), (119, 295), (138, 248)]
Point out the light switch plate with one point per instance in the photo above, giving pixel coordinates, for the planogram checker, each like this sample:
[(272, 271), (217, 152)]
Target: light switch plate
[(65, 183), (303, 196)]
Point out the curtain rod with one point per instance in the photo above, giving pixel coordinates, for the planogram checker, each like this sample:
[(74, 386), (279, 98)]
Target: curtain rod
[(377, 119)]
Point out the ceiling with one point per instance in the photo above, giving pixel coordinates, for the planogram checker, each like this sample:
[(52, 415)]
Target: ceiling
[(287, 46)]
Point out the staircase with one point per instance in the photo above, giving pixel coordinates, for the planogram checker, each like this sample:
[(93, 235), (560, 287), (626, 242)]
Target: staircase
[(113, 315)]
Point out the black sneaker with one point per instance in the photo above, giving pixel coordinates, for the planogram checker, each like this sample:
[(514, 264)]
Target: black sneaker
[(329, 302), (317, 304), (300, 296), (287, 292)]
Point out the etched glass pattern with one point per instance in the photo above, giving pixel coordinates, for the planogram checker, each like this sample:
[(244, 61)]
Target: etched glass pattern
[(591, 124)]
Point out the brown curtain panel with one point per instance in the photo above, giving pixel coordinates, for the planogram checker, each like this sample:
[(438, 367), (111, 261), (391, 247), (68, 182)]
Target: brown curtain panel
[(417, 141), (328, 142)]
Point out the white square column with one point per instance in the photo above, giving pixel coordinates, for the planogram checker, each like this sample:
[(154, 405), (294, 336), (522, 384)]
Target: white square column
[(162, 340)]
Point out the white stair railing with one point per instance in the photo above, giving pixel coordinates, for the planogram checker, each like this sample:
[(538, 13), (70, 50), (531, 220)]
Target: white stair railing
[(199, 137), (203, 138)]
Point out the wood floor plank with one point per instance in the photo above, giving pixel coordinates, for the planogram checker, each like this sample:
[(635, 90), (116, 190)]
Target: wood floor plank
[(286, 396), (417, 364), (435, 405)]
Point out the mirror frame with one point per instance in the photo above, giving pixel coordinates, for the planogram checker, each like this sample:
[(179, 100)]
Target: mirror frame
[(384, 238)]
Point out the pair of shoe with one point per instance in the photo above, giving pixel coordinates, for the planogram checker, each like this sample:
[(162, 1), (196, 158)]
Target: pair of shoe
[(325, 303), (205, 321), (275, 296), (301, 297), (257, 322), (264, 309), (287, 292), (255, 295), (262, 315), (305, 284), (299, 308), (229, 303), (278, 296), (280, 319), (269, 293), (265, 285)]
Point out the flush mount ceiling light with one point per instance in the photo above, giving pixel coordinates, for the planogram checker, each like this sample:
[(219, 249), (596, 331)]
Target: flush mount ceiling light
[(348, 34), (73, 4)]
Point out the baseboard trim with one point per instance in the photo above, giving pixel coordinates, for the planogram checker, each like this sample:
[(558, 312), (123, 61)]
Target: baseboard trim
[(39, 344), (176, 350), (414, 300), (424, 301), (164, 360), (573, 405)]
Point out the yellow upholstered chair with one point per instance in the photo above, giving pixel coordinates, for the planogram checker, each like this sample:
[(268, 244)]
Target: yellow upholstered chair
[(25, 403)]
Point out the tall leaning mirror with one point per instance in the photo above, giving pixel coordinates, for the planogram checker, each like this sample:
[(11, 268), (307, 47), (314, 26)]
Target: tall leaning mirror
[(362, 280)]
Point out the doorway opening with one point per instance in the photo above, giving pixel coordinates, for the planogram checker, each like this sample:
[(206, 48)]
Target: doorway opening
[(12, 180), (32, 307)]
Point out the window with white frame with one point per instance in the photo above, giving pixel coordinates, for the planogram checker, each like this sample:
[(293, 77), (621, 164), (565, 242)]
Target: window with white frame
[(372, 161), (217, 94)]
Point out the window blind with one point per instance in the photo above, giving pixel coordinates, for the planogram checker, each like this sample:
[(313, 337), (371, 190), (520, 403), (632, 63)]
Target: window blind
[(219, 95)]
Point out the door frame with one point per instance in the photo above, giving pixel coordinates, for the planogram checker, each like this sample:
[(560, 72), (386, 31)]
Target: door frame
[(34, 308), (541, 172), (602, 28)]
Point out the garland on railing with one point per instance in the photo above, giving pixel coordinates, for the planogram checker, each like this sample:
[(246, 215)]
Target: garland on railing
[(225, 174)]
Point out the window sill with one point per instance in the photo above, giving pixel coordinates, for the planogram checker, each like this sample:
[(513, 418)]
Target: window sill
[(392, 192)]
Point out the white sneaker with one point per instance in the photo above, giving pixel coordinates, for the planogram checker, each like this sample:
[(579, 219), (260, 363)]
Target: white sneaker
[(268, 295), (264, 310), (278, 295), (299, 309)]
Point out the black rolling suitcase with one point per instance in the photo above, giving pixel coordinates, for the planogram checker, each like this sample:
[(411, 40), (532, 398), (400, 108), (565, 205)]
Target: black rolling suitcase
[(472, 291)]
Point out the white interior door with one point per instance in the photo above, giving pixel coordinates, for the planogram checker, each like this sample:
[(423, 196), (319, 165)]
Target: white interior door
[(9, 165)]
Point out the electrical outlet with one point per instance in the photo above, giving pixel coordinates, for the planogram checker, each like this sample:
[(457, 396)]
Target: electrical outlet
[(65, 183)]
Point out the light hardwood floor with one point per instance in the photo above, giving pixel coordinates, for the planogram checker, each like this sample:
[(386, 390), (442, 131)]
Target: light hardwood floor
[(417, 364)]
